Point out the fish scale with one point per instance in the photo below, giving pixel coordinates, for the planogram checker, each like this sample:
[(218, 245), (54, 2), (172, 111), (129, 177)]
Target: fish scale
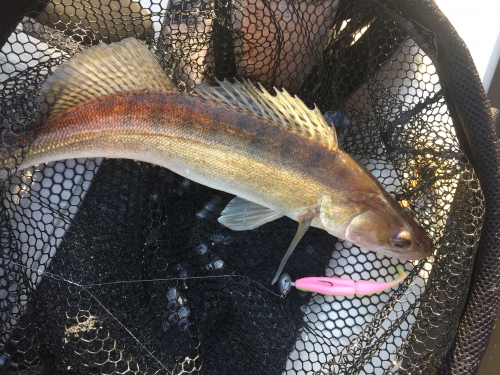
[(277, 156)]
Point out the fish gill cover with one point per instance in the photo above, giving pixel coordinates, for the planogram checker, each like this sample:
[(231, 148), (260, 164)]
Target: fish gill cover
[(121, 267)]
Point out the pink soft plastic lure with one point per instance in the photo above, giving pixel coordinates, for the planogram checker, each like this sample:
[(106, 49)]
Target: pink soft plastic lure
[(335, 286)]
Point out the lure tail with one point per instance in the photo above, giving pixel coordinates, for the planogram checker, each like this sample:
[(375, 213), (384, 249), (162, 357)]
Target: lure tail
[(346, 287)]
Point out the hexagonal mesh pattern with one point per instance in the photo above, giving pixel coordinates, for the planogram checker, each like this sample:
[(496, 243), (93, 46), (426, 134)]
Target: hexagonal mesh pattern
[(120, 267)]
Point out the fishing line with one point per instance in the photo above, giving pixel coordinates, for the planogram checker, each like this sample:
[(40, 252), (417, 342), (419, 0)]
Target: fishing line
[(87, 287), (43, 201), (35, 197), (60, 278), (126, 329), (84, 288), (160, 279)]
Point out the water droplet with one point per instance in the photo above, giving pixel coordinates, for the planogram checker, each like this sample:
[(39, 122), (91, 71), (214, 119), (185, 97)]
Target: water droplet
[(165, 326), (153, 197), (4, 361), (202, 214), (172, 294), (183, 312), (185, 183), (209, 206), (183, 324), (209, 266), (284, 284), (216, 199), (182, 271), (218, 264), (181, 300), (305, 309), (309, 249), (227, 240), (201, 249), (173, 318), (217, 238)]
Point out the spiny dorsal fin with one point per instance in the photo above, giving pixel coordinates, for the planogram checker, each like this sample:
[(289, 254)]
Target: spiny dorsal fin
[(283, 109), (102, 70)]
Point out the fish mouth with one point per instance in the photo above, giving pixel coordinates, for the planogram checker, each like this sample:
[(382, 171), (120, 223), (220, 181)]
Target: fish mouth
[(409, 257), (418, 253)]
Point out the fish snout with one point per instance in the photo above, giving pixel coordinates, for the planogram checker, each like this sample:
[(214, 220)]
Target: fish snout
[(423, 247), (419, 248)]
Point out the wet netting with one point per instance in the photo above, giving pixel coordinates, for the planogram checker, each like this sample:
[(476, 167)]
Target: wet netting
[(115, 266)]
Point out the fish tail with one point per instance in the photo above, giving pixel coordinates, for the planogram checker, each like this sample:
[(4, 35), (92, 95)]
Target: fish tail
[(119, 68)]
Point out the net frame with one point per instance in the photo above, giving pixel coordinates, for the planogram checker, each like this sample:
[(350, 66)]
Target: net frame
[(474, 126)]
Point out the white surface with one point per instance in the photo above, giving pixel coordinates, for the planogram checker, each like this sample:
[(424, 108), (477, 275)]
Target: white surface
[(478, 24), (41, 203), (158, 12), (23, 52), (333, 323)]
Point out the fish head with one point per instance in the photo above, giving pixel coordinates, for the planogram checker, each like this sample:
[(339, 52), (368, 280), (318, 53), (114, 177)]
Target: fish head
[(375, 222)]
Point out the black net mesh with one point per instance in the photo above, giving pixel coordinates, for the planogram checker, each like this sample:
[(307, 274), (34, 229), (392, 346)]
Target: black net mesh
[(113, 266)]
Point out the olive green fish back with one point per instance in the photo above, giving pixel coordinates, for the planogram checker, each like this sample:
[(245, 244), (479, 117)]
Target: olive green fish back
[(282, 109)]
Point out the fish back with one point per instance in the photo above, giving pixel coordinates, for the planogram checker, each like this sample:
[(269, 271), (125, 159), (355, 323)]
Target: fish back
[(282, 110)]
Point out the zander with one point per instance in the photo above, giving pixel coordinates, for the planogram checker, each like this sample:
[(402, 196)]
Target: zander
[(276, 155)]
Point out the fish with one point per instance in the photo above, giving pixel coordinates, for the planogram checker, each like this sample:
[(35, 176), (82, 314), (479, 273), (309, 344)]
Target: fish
[(274, 154)]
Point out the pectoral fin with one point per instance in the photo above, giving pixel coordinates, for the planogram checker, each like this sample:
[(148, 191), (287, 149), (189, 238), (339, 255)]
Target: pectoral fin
[(241, 214), (303, 227)]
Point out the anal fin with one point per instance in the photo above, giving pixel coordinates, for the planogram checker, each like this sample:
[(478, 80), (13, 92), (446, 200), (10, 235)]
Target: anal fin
[(241, 214)]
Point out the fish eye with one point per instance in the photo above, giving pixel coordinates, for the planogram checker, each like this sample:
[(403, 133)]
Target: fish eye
[(401, 240)]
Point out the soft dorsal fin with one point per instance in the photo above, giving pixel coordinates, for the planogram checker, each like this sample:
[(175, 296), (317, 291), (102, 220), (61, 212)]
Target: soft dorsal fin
[(99, 71), (283, 109)]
